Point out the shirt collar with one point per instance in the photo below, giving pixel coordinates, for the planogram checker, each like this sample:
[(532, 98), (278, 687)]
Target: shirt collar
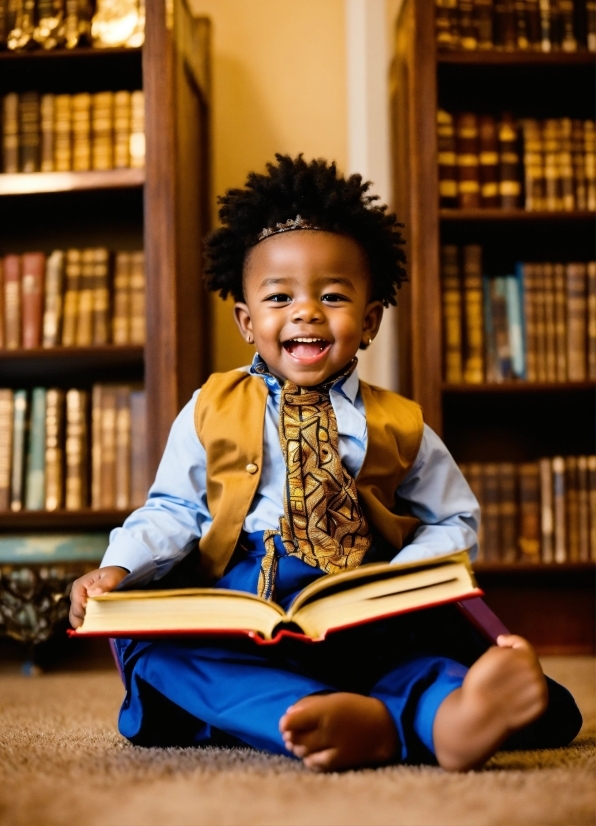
[(347, 386)]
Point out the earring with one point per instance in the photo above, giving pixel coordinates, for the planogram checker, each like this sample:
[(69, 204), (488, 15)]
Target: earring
[(369, 341), (249, 339)]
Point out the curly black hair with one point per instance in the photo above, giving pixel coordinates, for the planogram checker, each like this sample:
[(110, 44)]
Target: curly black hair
[(316, 192)]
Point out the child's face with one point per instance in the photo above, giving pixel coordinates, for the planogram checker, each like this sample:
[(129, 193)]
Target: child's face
[(307, 305)]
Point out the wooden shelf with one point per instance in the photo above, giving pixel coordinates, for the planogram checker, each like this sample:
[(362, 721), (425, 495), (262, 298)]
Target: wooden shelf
[(535, 568), (42, 182), (516, 58), (521, 387), (104, 354), (71, 366), (62, 520), (513, 215), (83, 51)]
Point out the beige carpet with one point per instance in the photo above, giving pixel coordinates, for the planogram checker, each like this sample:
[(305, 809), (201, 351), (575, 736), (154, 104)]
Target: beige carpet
[(62, 763)]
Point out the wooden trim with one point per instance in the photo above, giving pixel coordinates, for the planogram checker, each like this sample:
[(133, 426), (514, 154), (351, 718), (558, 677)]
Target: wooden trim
[(454, 215), (100, 353), (521, 387), (59, 520), (82, 51), (534, 568), (516, 58), (33, 183)]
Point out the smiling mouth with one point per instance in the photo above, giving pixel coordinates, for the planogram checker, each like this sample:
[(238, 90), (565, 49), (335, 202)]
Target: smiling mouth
[(304, 347)]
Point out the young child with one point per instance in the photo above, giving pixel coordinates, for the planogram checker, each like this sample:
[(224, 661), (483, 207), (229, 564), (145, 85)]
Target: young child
[(294, 469)]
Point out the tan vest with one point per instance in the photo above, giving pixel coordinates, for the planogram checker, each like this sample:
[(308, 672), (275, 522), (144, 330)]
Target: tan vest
[(230, 422)]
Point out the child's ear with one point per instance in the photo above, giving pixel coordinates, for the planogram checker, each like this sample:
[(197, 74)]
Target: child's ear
[(373, 315), (243, 320)]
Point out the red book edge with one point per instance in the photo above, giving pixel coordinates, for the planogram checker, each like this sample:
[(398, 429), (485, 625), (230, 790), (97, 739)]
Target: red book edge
[(32, 286)]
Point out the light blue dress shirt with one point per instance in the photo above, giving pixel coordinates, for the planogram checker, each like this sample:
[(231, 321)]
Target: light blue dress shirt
[(158, 535)]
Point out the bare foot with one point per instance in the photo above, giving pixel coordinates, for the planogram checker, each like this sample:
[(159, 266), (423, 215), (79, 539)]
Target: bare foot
[(339, 731), (502, 692)]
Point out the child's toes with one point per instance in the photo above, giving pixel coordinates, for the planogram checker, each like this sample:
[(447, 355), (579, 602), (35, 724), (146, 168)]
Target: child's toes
[(321, 761), (299, 717)]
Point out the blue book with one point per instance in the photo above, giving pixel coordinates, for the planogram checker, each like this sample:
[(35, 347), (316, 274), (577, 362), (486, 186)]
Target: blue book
[(514, 318), (19, 423), (35, 493)]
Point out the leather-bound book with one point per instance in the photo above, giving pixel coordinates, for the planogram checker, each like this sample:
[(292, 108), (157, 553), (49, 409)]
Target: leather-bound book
[(583, 519), (590, 163), (2, 310), (533, 24), (452, 314), (468, 162), (592, 504), (62, 133), (121, 315), (30, 132), (579, 166), (6, 422), (123, 449), (447, 159), (49, 29), (12, 302), (533, 159), (547, 516), (566, 165), (3, 24), (560, 322), (499, 357), (77, 23), (77, 450), (567, 25), (576, 321), (71, 297), (10, 133), (19, 442), (591, 25), (137, 129), (46, 109), (473, 322), (101, 296), (508, 511), (548, 286), (102, 130), (555, 25), (468, 39), (475, 478), (84, 334), (552, 173), (489, 310), (504, 24), (529, 507), (529, 305), (54, 285), (122, 114), (35, 495), (591, 269), (96, 407), (81, 131), (540, 301), (488, 144), (483, 15), (54, 449), (446, 28), (560, 532), (522, 40), (139, 477), (32, 287), (137, 298), (108, 446), (509, 163), (492, 526), (571, 509)]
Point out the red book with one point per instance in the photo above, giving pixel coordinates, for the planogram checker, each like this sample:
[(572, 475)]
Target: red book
[(12, 302), (32, 283)]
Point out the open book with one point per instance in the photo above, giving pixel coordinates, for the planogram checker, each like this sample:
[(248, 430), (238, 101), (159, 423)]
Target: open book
[(359, 595)]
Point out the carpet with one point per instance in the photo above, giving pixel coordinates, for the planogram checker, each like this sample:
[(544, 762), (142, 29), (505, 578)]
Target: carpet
[(62, 762)]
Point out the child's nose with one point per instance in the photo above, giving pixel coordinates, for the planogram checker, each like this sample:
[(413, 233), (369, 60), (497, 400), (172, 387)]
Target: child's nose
[(307, 310)]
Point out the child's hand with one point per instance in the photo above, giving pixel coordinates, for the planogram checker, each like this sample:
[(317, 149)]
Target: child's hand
[(92, 584)]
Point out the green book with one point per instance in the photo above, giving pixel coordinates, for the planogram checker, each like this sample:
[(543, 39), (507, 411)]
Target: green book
[(36, 455), (18, 449)]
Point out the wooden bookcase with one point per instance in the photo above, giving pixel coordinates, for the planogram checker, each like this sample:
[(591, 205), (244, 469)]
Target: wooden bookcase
[(162, 208), (552, 605)]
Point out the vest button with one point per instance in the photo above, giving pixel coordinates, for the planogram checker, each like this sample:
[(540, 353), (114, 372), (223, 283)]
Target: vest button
[(251, 468)]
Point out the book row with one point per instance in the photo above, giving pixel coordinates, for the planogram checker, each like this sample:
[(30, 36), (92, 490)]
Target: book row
[(72, 298), (62, 133), (541, 511), (64, 449), (54, 24), (536, 324), (501, 162), (510, 25)]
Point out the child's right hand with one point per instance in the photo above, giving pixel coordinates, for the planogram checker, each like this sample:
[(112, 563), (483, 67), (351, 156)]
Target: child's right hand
[(92, 584)]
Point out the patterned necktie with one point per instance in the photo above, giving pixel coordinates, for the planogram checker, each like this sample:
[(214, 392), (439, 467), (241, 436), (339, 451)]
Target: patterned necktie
[(323, 524)]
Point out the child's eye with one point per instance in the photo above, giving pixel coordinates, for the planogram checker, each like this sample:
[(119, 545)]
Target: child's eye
[(279, 298), (333, 297)]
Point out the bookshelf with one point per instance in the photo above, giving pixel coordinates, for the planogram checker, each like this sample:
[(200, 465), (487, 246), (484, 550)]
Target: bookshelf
[(516, 421)]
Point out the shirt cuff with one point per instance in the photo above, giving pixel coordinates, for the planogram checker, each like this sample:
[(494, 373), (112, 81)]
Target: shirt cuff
[(127, 552), (433, 540)]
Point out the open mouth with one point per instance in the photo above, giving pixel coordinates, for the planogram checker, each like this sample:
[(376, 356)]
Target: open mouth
[(306, 347)]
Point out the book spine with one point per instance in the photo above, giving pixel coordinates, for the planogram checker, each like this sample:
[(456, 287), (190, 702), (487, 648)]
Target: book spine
[(583, 521), (521, 25), (81, 131), (62, 133), (2, 308), (533, 158), (515, 325), (529, 498), (446, 24), (531, 354), (452, 314), (19, 437), (52, 315), (467, 29), (96, 406), (474, 344), (591, 271), (591, 25), (592, 504), (509, 163), (475, 479), (492, 533), (29, 128), (53, 447), (491, 364), (47, 133), (12, 302), (32, 295), (508, 511), (579, 167), (489, 161), (137, 298), (447, 159), (566, 12), (101, 296), (501, 329), (137, 130), (571, 509), (547, 517), (576, 321), (121, 316), (10, 133), (35, 482), (560, 538), (548, 286), (123, 448), (504, 23), (3, 24), (6, 424), (560, 323), (590, 163), (108, 447), (76, 450), (122, 114), (483, 16), (540, 316), (533, 24), (552, 176), (102, 130), (466, 138), (566, 165), (139, 477), (71, 297), (84, 332)]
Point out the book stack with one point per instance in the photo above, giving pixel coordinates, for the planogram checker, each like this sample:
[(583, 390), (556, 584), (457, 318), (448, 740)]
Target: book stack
[(481, 165), (535, 25), (72, 298), (47, 443), (542, 511), (51, 24), (536, 323), (62, 133)]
